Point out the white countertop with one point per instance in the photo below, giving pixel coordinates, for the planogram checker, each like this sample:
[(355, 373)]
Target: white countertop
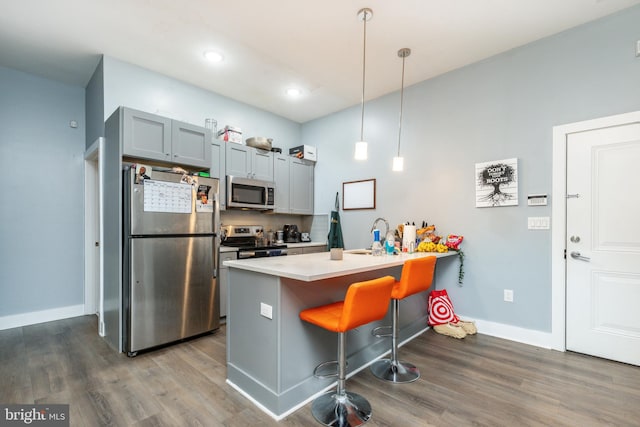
[(318, 266)]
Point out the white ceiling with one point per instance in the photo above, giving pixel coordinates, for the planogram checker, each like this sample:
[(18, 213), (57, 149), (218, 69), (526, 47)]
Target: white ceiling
[(270, 45)]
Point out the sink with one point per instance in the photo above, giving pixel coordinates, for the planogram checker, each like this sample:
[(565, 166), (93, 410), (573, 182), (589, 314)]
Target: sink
[(358, 251)]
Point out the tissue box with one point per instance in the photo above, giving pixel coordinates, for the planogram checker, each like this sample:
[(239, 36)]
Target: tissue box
[(231, 134), (306, 152)]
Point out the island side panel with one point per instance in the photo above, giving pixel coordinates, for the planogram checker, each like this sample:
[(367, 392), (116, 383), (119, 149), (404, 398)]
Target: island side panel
[(252, 339), (273, 360)]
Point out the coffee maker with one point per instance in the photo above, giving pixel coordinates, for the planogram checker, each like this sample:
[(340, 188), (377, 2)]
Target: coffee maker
[(291, 233)]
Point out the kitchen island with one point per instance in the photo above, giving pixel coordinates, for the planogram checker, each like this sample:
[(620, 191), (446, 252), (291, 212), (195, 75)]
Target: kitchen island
[(271, 353)]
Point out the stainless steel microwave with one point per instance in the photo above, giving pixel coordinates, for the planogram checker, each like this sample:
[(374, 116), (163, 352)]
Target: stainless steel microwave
[(250, 193)]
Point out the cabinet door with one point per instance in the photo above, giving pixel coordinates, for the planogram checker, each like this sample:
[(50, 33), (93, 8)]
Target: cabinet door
[(223, 278), (146, 135), (281, 178), (238, 161), (190, 144), (301, 186), (314, 249), (262, 165), (218, 156)]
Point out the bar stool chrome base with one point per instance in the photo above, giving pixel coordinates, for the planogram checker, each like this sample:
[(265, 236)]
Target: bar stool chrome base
[(349, 410), (398, 372)]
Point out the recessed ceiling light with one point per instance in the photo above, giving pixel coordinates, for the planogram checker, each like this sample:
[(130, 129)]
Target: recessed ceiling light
[(294, 92), (213, 56)]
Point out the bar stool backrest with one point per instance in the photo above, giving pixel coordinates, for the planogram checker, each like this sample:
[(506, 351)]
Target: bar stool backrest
[(366, 302), (417, 276)]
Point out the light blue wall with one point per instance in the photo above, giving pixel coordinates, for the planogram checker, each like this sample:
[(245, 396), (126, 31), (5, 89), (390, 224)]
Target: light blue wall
[(94, 102), (500, 108), (132, 86), (41, 212)]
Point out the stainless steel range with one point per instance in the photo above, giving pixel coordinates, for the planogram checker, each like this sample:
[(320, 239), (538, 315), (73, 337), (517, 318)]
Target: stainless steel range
[(250, 241)]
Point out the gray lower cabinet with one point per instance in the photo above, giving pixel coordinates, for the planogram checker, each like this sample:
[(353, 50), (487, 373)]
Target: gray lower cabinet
[(223, 276), (249, 162), (153, 137), (314, 249), (306, 250)]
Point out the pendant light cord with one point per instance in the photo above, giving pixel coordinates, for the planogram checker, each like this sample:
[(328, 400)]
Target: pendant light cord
[(401, 102), (364, 58)]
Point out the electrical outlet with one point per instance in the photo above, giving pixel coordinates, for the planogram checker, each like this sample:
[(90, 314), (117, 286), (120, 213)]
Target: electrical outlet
[(266, 310), (508, 295)]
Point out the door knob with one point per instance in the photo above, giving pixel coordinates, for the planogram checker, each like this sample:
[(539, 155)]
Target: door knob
[(576, 255)]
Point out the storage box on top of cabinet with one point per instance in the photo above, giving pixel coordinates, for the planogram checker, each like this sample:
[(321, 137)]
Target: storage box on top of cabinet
[(231, 134), (307, 152)]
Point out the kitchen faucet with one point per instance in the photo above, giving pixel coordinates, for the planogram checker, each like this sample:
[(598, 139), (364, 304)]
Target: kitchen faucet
[(374, 226)]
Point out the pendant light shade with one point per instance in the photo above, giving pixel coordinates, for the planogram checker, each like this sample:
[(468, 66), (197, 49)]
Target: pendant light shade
[(398, 162), (361, 150), (361, 146)]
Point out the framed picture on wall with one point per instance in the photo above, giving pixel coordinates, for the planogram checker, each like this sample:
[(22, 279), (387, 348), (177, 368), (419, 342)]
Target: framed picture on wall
[(497, 183), (359, 194)]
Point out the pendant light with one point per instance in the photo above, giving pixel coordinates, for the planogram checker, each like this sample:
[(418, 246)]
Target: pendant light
[(398, 162), (361, 146)]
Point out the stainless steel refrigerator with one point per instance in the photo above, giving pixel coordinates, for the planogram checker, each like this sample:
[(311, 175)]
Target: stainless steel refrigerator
[(170, 257)]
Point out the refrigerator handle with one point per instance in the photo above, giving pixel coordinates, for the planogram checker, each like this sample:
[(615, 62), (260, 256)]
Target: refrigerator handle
[(217, 231)]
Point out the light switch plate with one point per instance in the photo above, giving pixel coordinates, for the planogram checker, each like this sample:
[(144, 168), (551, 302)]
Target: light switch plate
[(266, 310), (538, 222)]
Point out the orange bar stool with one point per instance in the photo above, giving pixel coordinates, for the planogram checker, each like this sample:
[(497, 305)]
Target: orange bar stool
[(364, 302), (417, 276)]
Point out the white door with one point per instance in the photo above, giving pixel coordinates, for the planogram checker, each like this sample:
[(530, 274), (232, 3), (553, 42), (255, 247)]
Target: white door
[(603, 243)]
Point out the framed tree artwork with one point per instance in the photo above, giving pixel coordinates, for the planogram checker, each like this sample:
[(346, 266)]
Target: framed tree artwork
[(497, 183)]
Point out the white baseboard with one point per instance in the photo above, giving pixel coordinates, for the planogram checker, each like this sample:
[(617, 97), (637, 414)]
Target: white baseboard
[(513, 333), (34, 317)]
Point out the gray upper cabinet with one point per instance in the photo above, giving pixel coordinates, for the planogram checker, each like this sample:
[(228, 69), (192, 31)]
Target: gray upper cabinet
[(249, 162), (153, 137), (262, 162), (301, 186), (146, 135), (190, 144), (281, 178)]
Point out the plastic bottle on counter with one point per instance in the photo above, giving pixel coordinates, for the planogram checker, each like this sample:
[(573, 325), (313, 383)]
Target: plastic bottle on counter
[(376, 247), (390, 243)]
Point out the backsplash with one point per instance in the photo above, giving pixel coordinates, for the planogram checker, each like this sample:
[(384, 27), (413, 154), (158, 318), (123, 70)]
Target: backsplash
[(316, 225)]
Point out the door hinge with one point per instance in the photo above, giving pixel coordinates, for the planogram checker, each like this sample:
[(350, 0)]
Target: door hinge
[(565, 254)]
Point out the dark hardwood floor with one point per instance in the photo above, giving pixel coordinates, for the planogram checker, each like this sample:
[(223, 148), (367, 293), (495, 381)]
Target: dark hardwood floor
[(478, 381)]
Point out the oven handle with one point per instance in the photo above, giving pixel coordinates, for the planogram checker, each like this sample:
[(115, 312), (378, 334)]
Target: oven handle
[(254, 254)]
